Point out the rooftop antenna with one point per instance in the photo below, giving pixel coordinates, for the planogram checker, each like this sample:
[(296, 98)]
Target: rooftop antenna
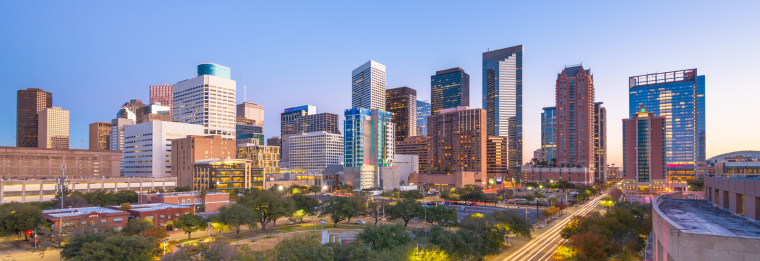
[(244, 89)]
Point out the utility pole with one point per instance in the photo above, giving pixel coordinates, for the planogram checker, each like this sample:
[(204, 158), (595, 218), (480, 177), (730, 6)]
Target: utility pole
[(62, 187)]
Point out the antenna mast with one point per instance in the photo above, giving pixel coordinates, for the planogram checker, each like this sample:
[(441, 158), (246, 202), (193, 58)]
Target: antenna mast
[(244, 88)]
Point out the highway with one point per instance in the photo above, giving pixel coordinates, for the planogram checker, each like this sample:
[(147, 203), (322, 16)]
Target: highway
[(542, 247)]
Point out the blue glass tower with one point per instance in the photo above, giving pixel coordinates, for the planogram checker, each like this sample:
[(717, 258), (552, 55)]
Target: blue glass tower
[(449, 89), (549, 133), (215, 70), (423, 110), (369, 145), (502, 99), (679, 96)]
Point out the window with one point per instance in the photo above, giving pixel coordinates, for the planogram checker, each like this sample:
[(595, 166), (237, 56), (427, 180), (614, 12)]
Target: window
[(183, 202), (117, 220), (149, 217), (162, 216), (176, 214), (102, 221)]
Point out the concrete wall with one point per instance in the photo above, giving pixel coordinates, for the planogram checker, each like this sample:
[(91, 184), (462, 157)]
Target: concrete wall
[(727, 193), (44, 190)]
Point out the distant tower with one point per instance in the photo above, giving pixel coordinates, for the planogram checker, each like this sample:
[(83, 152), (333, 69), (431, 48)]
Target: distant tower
[(30, 103), (368, 86)]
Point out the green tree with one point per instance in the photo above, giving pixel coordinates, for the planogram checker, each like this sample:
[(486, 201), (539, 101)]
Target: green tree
[(190, 223), (137, 226), (529, 197), (442, 215), (114, 247), (237, 216), (405, 209), (268, 204), (372, 209), (315, 189), (19, 217), (305, 203), (385, 236), (341, 208), (302, 247)]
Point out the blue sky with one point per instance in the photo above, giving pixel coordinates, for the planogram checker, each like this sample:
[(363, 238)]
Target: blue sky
[(95, 56)]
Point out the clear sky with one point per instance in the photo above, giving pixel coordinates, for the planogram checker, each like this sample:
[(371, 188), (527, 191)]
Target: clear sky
[(96, 56)]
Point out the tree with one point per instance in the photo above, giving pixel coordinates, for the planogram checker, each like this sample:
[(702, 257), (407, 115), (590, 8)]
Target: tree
[(431, 254), (18, 217), (268, 204), (115, 247), (405, 209), (237, 216), (529, 197), (155, 232), (548, 212), (341, 208), (190, 223), (442, 215), (588, 246), (137, 226), (305, 203), (607, 202), (561, 206), (302, 247), (384, 236), (563, 253), (315, 189), (125, 207), (372, 209), (553, 200)]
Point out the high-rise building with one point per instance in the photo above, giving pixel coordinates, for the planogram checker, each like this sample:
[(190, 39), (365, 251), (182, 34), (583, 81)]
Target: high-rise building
[(537, 154), (153, 112), (148, 147), (251, 111), (369, 146), (100, 136), (497, 168), (30, 103), (679, 96), (274, 141), (53, 128), (304, 119), (502, 99), (644, 153), (423, 110), (247, 131), (261, 156), (457, 140), (317, 122), (117, 132), (134, 106), (368, 86), (402, 102), (600, 143), (575, 117), (417, 145), (449, 89), (315, 150), (162, 94), (549, 134), (289, 116), (207, 100), (192, 148)]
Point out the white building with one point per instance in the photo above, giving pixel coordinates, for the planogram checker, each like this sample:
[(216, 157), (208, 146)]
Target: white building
[(315, 150), (147, 147), (368, 86), (207, 100), (407, 164)]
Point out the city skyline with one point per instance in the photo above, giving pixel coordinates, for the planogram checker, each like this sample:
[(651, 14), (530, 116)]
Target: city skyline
[(33, 65)]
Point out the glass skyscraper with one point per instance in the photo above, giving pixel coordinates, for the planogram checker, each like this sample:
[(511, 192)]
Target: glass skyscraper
[(549, 133), (369, 145), (502, 99), (679, 96), (423, 110), (449, 89)]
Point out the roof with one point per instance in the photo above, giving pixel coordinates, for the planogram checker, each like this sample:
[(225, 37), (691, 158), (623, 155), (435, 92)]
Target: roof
[(155, 206), (573, 71), (701, 217), (220, 161), (72, 212), (176, 194), (745, 153)]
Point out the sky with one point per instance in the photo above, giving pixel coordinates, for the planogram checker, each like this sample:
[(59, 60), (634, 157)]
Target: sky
[(95, 56)]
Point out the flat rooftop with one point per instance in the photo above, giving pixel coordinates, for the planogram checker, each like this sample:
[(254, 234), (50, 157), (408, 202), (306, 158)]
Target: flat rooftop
[(176, 194), (700, 216), (72, 212), (155, 206)]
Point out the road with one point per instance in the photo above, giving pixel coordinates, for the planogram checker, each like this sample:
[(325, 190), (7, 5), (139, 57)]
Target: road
[(542, 247)]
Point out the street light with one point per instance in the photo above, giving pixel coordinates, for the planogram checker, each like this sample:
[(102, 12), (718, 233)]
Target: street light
[(315, 221), (164, 247), (279, 188)]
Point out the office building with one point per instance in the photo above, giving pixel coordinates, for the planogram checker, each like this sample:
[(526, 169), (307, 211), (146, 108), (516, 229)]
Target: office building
[(423, 110), (226, 175), (502, 99), (262, 157), (154, 117), (207, 100), (449, 89), (307, 177), (133, 106), (402, 102), (274, 141), (497, 166), (600, 142), (148, 147), (644, 155), (580, 176), (418, 146), (315, 150), (406, 164), (444, 181), (29, 103), (117, 132), (457, 140), (100, 136), (53, 128), (575, 117), (37, 163), (247, 131), (153, 111), (537, 155), (369, 147), (679, 96), (289, 116), (251, 111), (549, 134), (317, 122), (162, 94), (304, 119), (368, 86), (191, 148)]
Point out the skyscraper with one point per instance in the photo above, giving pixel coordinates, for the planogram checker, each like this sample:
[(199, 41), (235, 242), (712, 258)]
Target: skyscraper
[(100, 136), (369, 146), (53, 128), (600, 143), (148, 147), (449, 89), (315, 150), (575, 117), (247, 131), (162, 94), (502, 99), (679, 96), (252, 111), (644, 150), (549, 134), (402, 102), (368, 86), (30, 103), (423, 110), (207, 100), (289, 116), (457, 140)]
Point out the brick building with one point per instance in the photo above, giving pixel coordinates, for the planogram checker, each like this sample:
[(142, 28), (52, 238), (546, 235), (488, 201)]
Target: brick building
[(497, 163), (210, 202), (100, 136), (159, 213), (457, 139), (75, 217), (417, 145), (186, 151)]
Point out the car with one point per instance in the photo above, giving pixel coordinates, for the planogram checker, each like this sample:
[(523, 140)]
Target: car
[(473, 204), (360, 222)]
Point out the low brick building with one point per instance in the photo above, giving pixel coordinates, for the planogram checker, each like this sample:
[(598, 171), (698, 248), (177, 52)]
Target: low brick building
[(75, 217), (580, 176), (209, 202), (160, 213), (448, 181)]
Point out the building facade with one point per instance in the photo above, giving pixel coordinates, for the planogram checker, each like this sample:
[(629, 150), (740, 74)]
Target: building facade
[(274, 141), (148, 147), (575, 117), (202, 202), (679, 96), (259, 156), (449, 89), (369, 145), (161, 214), (407, 164), (226, 175), (423, 110), (457, 140), (41, 190), (289, 116), (368, 86), (502, 99), (53, 128), (100, 136), (153, 111), (402, 102), (162, 94), (315, 150), (207, 100), (644, 153), (247, 130), (251, 111), (549, 134), (71, 218), (600, 142), (418, 146), (580, 176), (29, 103), (497, 166), (36, 163), (191, 148)]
